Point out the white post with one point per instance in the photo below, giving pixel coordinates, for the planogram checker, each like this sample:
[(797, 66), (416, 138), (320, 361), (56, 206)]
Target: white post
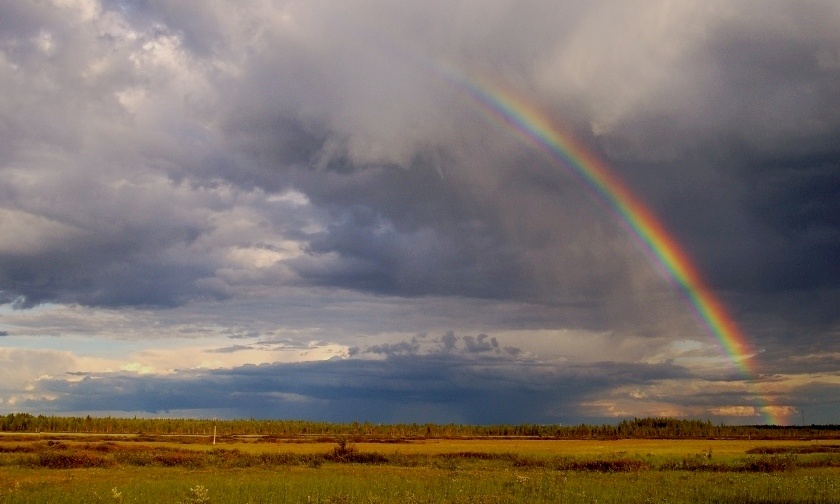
[(214, 435)]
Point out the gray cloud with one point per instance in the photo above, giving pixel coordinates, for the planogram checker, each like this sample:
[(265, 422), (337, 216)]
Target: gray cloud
[(230, 349), (449, 340), (402, 348), (398, 389), (481, 343), (308, 162), (447, 344), (406, 215), (282, 343)]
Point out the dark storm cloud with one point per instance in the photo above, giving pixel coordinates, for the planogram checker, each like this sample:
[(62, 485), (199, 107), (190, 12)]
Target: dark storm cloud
[(817, 402), (777, 149), (405, 213), (159, 154), (409, 231), (111, 279), (88, 227), (397, 389), (798, 201), (741, 162)]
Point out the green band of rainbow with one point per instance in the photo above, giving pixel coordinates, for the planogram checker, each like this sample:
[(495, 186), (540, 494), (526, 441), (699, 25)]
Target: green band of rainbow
[(529, 123)]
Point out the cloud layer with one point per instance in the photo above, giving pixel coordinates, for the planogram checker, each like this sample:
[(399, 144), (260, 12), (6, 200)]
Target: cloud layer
[(259, 183)]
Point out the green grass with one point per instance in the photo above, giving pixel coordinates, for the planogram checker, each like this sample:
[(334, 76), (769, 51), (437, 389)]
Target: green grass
[(360, 484), (90, 470)]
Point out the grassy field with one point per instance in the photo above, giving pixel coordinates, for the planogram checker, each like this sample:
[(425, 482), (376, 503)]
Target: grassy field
[(77, 469)]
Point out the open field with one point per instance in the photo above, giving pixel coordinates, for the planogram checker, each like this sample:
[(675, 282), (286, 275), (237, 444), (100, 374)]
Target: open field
[(189, 469)]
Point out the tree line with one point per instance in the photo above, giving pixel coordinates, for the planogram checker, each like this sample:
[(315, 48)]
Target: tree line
[(636, 428)]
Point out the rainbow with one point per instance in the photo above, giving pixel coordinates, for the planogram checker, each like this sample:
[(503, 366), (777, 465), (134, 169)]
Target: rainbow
[(533, 126)]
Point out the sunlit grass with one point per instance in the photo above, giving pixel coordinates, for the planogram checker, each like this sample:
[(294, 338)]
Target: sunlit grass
[(40, 470), (336, 484)]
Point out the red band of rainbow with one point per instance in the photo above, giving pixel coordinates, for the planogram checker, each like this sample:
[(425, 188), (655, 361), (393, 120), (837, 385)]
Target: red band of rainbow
[(532, 125)]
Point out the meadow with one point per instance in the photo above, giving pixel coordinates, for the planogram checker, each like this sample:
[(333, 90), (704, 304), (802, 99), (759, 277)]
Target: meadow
[(51, 467)]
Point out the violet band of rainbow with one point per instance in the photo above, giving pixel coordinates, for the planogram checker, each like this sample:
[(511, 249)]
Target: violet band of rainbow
[(533, 126)]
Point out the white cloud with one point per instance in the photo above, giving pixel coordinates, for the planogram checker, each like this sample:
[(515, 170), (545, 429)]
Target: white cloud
[(301, 171), (21, 369)]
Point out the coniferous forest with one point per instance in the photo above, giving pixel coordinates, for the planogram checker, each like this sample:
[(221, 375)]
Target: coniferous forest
[(636, 428)]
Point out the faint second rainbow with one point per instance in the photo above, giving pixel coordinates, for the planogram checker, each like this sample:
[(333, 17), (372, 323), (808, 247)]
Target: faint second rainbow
[(529, 123)]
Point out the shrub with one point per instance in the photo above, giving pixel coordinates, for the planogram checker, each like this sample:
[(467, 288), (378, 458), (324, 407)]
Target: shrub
[(73, 460), (617, 465), (769, 464), (777, 450), (173, 458)]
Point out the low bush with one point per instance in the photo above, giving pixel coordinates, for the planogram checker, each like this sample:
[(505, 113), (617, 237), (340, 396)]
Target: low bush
[(696, 463), (356, 457), (612, 466), (799, 450), (769, 464), (79, 459), (17, 449)]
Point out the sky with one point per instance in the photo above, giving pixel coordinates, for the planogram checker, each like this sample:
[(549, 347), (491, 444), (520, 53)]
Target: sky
[(311, 210)]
